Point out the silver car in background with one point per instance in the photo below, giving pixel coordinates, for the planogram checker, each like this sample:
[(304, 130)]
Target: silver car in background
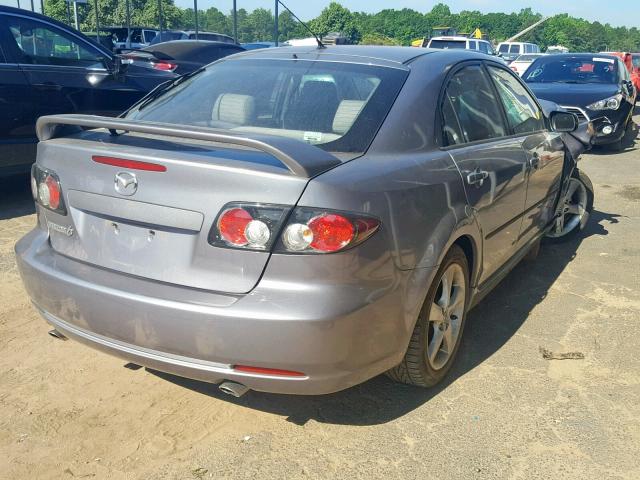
[(298, 220)]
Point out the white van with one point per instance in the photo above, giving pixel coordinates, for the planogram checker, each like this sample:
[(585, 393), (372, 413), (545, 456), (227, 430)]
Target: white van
[(509, 51), (462, 43)]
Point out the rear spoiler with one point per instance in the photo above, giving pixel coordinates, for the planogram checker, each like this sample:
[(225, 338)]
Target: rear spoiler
[(302, 159)]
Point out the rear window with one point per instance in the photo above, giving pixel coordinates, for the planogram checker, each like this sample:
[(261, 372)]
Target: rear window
[(336, 106), (573, 70), (447, 44), (527, 58)]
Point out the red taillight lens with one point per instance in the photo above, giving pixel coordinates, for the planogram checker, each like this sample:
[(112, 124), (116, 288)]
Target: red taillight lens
[(232, 225), (54, 192), (331, 232), (267, 371), (164, 66)]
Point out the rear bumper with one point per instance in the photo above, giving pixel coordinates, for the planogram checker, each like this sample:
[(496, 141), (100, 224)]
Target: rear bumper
[(338, 335)]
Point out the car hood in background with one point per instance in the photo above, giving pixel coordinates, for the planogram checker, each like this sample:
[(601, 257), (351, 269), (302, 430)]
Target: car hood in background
[(573, 94)]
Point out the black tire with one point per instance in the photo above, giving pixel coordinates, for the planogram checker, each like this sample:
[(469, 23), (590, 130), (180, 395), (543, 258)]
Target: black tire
[(415, 368), (584, 180)]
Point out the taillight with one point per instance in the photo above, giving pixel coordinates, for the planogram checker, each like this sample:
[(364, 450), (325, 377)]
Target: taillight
[(164, 66), (248, 226), (308, 230), (46, 190), (311, 230)]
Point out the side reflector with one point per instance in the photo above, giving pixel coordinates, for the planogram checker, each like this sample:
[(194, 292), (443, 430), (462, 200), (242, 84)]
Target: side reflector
[(129, 164), (267, 371)]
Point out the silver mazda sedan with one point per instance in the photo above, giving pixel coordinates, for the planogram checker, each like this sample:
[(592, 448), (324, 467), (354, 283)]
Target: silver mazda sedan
[(299, 220)]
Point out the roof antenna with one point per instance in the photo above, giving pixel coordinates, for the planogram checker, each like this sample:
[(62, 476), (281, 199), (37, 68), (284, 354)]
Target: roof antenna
[(320, 44)]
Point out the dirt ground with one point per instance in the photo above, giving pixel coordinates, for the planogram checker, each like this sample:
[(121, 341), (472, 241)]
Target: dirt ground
[(504, 412)]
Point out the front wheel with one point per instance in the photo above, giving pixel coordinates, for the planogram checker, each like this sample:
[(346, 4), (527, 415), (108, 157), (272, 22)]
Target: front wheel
[(576, 206), (437, 333)]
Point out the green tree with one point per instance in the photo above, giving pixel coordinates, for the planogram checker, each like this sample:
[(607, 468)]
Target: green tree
[(336, 18)]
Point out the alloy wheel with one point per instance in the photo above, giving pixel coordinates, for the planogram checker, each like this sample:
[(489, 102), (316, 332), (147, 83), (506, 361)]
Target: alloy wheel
[(445, 316), (574, 208)]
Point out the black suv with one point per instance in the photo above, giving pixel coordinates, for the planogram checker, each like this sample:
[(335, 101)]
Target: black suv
[(46, 68)]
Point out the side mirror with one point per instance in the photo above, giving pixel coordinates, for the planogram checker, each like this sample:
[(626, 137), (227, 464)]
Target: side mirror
[(563, 122)]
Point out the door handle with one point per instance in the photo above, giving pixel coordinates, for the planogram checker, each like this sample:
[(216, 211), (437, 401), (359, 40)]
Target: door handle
[(48, 86), (534, 162), (477, 177)]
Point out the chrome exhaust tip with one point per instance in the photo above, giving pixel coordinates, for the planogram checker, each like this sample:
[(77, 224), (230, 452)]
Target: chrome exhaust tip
[(56, 334), (233, 388)]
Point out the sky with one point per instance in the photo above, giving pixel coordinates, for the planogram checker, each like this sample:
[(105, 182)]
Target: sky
[(616, 12)]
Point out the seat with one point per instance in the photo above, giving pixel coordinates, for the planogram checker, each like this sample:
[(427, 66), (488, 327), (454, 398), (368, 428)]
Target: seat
[(234, 108), (346, 114), (314, 108)]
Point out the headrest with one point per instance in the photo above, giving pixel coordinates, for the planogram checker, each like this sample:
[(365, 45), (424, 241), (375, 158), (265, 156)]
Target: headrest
[(234, 108), (347, 112)]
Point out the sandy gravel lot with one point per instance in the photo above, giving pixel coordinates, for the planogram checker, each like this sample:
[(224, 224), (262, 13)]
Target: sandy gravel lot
[(505, 412)]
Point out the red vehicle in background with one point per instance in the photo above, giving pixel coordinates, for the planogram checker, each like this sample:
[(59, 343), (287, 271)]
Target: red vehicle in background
[(635, 73), (632, 62)]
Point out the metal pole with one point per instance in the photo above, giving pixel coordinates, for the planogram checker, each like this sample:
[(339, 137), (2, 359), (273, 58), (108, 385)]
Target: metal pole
[(275, 25), (195, 10), (235, 22), (127, 43), (160, 17), (75, 15), (69, 12), (42, 7), (32, 7), (95, 2), (18, 3)]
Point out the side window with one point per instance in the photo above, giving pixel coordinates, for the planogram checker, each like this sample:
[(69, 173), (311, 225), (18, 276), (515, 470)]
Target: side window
[(514, 48), (451, 127), (149, 35), (484, 47), (523, 114), (475, 107), (473, 45), (136, 36), (40, 44)]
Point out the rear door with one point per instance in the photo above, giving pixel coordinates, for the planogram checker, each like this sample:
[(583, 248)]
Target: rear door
[(493, 165), (17, 113), (544, 151)]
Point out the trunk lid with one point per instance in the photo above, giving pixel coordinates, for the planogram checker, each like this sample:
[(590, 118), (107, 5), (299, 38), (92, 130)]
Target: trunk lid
[(160, 232)]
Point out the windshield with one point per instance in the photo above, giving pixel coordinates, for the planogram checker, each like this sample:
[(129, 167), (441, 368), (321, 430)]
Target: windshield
[(446, 44), (336, 106), (573, 70)]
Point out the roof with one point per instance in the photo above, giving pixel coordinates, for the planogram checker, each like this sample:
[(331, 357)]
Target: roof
[(582, 55), (378, 55), (451, 37)]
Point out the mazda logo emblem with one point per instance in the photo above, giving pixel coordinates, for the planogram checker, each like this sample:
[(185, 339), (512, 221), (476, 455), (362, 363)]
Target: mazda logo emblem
[(126, 183)]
